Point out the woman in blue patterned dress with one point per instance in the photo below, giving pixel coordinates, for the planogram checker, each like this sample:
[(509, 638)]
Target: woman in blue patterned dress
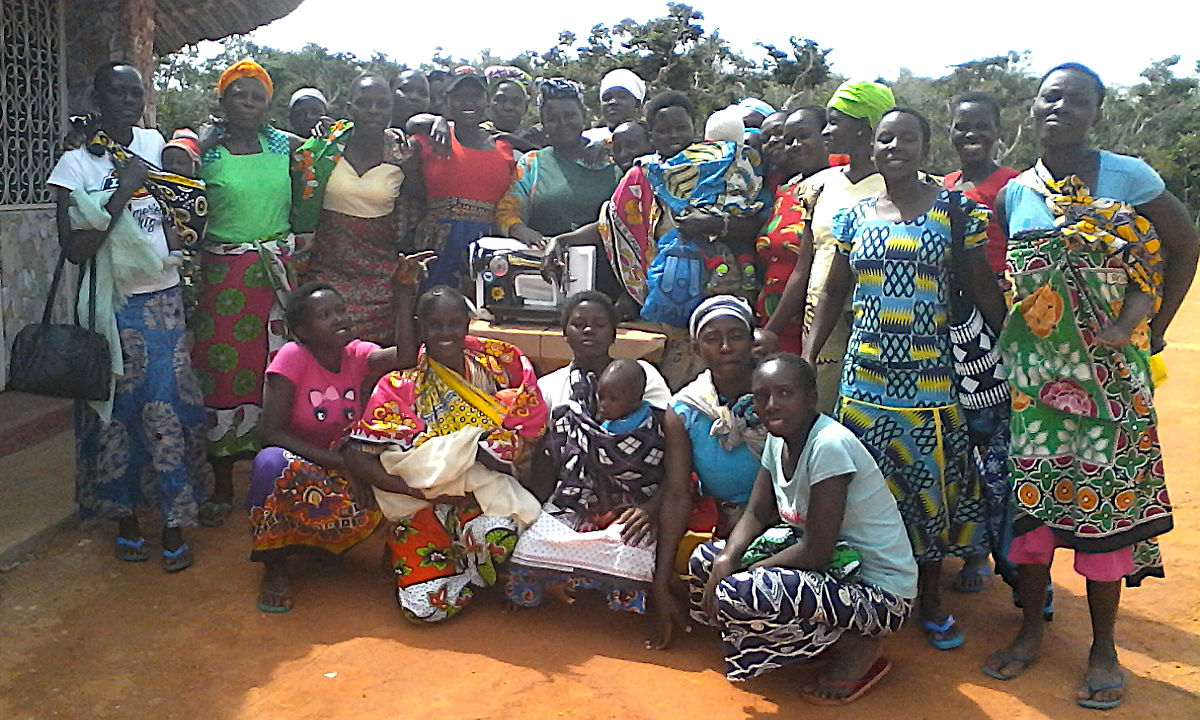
[(897, 393)]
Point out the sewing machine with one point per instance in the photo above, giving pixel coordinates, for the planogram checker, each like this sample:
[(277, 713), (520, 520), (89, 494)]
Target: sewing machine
[(509, 284)]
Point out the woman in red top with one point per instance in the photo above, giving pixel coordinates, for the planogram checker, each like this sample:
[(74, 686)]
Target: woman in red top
[(974, 129), (779, 245), (464, 186)]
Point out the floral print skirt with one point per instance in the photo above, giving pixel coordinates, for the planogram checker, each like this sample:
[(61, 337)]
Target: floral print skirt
[(152, 452), (1085, 458), (442, 553)]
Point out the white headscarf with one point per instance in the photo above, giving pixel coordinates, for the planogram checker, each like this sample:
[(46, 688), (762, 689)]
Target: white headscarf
[(622, 78), (307, 92), (726, 124)]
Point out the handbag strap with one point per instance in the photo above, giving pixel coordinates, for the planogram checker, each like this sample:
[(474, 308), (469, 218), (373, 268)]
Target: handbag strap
[(58, 270), (90, 266)]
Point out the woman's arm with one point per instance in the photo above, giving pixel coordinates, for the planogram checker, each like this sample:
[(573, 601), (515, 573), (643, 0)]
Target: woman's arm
[(552, 262), (277, 410), (404, 280), (795, 290), (829, 306), (1180, 249), (369, 469), (826, 509), (984, 289), (675, 508)]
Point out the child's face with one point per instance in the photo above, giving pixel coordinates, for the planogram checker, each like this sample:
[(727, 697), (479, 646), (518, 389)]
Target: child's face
[(629, 143), (176, 160), (782, 405), (615, 398)]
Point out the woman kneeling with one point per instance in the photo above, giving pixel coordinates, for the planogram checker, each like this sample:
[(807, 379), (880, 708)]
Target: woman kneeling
[(837, 574), (441, 442)]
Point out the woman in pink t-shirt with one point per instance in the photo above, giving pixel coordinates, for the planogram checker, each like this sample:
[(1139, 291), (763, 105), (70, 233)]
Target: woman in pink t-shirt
[(299, 496)]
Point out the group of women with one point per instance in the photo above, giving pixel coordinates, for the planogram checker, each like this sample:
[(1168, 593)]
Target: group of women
[(804, 505)]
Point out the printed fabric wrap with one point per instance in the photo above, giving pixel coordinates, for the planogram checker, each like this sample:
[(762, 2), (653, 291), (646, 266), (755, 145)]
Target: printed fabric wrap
[(429, 400), (1085, 457), (182, 199)]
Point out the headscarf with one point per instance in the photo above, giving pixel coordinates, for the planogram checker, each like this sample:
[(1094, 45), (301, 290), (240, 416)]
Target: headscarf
[(756, 105), (497, 74), (558, 89), (307, 92), (241, 69), (720, 306), (726, 124), (863, 99), (186, 139), (622, 78)]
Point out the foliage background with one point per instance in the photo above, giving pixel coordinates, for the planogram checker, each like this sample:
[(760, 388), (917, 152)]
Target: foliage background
[(1157, 119)]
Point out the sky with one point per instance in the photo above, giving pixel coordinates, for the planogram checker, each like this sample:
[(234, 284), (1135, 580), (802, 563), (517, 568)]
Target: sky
[(913, 34)]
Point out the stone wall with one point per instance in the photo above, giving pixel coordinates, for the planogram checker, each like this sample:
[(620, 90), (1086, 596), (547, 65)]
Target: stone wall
[(28, 251)]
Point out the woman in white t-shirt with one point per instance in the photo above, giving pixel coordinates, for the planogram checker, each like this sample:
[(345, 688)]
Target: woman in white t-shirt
[(830, 566), (154, 425)]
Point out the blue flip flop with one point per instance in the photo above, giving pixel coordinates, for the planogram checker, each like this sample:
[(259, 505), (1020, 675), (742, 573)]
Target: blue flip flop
[(128, 550), (1091, 704), (939, 635), (178, 559), (964, 575)]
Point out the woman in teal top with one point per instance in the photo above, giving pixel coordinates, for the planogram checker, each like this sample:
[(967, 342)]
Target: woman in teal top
[(244, 258), (712, 430), (557, 190)]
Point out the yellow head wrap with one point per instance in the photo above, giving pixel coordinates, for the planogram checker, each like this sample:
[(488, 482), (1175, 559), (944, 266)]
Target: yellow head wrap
[(863, 99), (241, 69)]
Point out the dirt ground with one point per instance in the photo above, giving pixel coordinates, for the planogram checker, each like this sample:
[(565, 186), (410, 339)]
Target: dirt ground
[(84, 636)]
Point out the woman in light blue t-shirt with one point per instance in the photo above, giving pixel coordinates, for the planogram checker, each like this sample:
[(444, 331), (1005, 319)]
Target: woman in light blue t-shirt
[(820, 559)]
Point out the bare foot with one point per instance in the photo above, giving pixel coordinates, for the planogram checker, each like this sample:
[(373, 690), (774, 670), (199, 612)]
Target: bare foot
[(1009, 662), (274, 592)]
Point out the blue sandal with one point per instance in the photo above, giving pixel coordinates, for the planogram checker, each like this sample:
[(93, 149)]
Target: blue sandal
[(1091, 704), (128, 550), (943, 636), (178, 559)]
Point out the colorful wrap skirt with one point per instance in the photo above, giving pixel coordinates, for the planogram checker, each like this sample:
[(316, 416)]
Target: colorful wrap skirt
[(153, 449)]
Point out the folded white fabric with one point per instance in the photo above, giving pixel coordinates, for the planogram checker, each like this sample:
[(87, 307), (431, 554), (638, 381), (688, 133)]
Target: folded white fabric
[(446, 465)]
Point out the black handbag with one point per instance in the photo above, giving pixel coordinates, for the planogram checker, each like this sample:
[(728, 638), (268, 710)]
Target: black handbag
[(62, 360), (978, 372)]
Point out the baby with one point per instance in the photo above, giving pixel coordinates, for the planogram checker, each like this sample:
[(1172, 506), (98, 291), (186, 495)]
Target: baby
[(630, 141), (619, 396), (182, 154)]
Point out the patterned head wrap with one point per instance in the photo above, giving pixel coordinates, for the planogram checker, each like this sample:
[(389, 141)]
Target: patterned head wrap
[(863, 99), (626, 79), (558, 89), (241, 69), (497, 74), (720, 306)]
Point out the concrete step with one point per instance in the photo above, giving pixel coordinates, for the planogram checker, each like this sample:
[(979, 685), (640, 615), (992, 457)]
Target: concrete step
[(37, 495), (30, 419)]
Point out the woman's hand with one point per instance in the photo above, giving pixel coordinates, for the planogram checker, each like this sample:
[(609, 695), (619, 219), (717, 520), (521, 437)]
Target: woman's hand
[(667, 613), (210, 134), (552, 262), (440, 135), (723, 566), (1115, 336), (638, 525), (528, 235), (595, 153), (410, 269)]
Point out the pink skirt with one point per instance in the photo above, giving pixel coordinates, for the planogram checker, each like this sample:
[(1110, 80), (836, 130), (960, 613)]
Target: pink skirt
[(1037, 547)]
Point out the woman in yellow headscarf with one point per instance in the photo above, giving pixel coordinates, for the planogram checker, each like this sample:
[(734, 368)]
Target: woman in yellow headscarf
[(852, 114), (244, 269)]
